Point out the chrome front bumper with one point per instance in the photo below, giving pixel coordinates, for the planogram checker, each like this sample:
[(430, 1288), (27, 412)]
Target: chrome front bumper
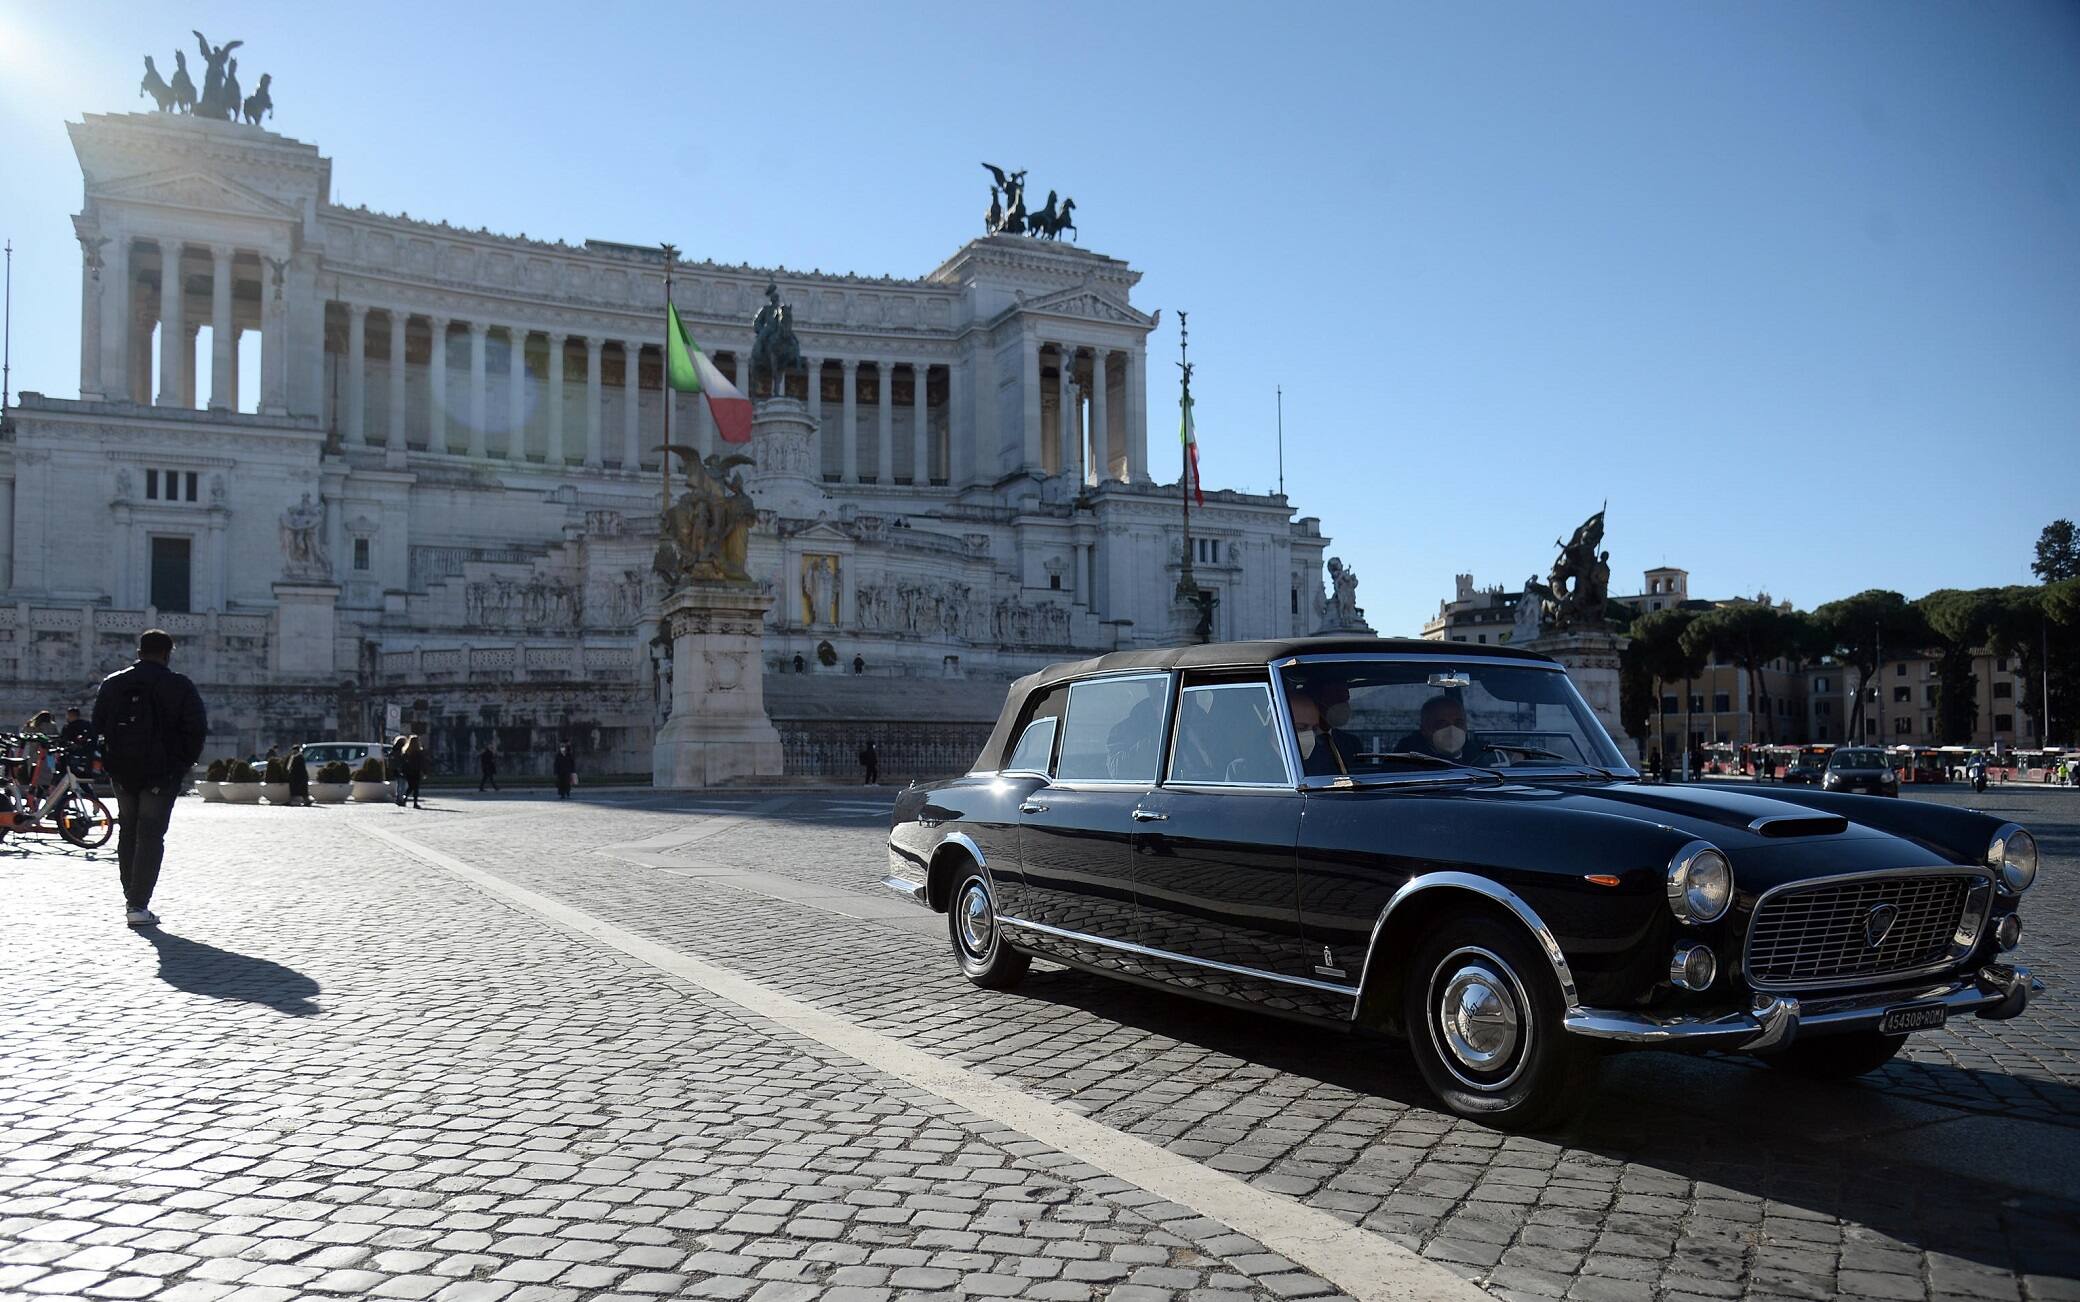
[(1996, 991)]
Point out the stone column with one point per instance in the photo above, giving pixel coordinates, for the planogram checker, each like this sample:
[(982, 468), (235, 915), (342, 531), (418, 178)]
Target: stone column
[(90, 328), (884, 447), (960, 452), (118, 319), (920, 427), (173, 327), (223, 350), (850, 431), (1131, 363), (1101, 434), (437, 386), (814, 366), (744, 373), (555, 398), (631, 393), (1065, 412), (593, 439), (516, 393), (357, 373), (274, 344), (395, 442), (1032, 453), (479, 401)]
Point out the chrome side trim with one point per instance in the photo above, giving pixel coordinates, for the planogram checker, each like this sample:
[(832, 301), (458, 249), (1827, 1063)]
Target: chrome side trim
[(1980, 895), (1502, 895), (915, 892), (1164, 955)]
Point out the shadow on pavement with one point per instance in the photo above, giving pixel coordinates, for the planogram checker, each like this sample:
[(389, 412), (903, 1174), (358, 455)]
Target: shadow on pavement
[(222, 974), (1993, 1189)]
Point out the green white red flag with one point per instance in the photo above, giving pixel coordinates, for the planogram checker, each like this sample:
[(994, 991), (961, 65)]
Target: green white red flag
[(688, 370), (1191, 449)]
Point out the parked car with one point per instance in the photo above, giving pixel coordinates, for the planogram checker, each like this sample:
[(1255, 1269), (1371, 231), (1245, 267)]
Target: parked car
[(1806, 771), (349, 753), (1443, 843), (1860, 768)]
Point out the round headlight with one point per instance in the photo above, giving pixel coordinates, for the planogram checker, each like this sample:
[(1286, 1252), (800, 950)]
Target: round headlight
[(1700, 884), (2013, 856)]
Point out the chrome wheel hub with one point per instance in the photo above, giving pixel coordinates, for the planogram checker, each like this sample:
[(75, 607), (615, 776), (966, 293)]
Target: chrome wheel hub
[(975, 920), (1479, 1019)]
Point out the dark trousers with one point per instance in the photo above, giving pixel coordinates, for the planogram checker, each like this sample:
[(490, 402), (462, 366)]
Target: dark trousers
[(144, 813), (489, 778), (411, 786), (563, 786)]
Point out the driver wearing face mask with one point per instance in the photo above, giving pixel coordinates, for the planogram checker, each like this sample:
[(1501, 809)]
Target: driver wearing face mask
[(1319, 710), (1441, 731)]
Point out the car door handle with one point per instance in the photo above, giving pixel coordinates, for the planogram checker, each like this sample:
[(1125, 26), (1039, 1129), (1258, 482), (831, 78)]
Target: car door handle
[(1032, 807), (1150, 816)]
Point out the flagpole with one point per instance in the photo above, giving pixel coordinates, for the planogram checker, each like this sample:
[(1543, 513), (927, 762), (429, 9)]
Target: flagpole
[(1187, 586), (664, 459), (1281, 440)]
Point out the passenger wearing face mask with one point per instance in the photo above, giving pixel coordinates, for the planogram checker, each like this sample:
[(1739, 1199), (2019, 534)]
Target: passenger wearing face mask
[(1325, 750), (1441, 731)]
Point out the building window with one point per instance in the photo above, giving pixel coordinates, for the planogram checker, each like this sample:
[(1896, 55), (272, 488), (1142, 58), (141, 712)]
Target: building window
[(1054, 582), (1668, 704), (1696, 702), (2004, 723), (1870, 726), (361, 553), (2004, 691), (171, 574), (171, 485), (1296, 601), (1900, 670), (1903, 726), (1823, 709), (151, 485), (1820, 683), (1928, 694), (1721, 703), (2000, 666), (1902, 695)]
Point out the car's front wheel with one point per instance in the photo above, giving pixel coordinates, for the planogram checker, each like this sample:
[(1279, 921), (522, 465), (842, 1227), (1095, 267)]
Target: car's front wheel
[(1838, 1057), (1483, 1011), (978, 943)]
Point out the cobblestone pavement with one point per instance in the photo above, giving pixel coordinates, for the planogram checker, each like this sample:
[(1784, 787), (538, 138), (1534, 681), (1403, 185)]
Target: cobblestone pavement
[(348, 1062)]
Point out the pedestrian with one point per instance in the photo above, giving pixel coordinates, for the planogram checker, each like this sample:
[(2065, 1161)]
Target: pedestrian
[(487, 768), (77, 732), (153, 726), (299, 778), (415, 761), (870, 760), (566, 771), (1654, 764), (273, 753), (393, 768), (39, 744)]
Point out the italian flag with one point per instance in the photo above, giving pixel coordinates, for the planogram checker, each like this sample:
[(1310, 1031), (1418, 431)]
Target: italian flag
[(689, 371), (1191, 449)]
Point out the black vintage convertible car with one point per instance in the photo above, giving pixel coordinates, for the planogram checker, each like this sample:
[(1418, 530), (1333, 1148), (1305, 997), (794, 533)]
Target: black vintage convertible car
[(1441, 842)]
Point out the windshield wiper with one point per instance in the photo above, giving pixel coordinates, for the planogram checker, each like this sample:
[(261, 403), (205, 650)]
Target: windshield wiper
[(1540, 752), (1424, 757)]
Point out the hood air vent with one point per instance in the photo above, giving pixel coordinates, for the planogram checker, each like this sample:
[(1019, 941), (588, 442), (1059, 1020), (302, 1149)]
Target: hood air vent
[(1799, 825)]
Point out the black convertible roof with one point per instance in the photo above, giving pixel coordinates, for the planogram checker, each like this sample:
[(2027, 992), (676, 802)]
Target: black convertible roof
[(1223, 654)]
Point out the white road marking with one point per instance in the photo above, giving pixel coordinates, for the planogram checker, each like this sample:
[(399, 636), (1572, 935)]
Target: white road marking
[(1357, 1261)]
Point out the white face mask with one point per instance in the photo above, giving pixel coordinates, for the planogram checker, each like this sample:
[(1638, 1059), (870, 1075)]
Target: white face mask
[(1449, 740), (1337, 715), (1306, 739)]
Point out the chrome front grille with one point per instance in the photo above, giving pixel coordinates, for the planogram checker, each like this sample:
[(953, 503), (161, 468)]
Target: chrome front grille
[(1819, 934)]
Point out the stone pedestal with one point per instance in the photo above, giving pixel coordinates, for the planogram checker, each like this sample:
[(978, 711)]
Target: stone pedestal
[(1591, 658), (302, 641), (783, 481), (718, 729)]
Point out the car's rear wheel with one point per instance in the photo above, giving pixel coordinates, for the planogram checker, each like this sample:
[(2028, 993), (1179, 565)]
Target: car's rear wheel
[(1483, 1011), (1838, 1057), (978, 943)]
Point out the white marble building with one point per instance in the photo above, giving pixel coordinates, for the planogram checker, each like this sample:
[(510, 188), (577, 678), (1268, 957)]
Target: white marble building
[(476, 420)]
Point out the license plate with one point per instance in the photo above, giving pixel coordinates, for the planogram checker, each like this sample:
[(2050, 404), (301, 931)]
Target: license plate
[(1916, 1017)]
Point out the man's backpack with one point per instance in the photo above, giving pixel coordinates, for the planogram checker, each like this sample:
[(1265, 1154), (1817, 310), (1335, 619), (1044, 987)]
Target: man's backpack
[(134, 743)]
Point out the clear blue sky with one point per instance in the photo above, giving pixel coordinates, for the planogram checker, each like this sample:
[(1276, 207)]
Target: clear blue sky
[(1795, 286)]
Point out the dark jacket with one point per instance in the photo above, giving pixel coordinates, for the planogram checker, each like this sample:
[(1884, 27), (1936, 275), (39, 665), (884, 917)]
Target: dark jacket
[(183, 724), (79, 732), (299, 776), (487, 761), (566, 764)]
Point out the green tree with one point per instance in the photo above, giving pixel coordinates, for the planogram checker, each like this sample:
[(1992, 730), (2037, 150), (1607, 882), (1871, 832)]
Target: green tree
[(1960, 620), (1657, 644), (2058, 553), (1748, 636), (1855, 630)]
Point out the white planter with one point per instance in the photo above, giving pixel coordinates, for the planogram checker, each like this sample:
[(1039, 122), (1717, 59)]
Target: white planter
[(331, 793), (208, 791), (277, 793), (239, 793), (369, 791)]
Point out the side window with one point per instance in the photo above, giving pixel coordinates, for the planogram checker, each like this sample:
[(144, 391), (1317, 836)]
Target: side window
[(1035, 747), (1226, 734), (1035, 744), (1114, 732)]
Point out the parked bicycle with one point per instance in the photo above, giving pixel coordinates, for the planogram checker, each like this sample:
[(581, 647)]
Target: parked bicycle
[(48, 789)]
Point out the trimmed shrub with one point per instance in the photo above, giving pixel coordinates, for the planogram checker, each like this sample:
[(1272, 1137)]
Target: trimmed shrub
[(240, 771), (371, 770), (215, 771), (277, 769), (336, 771)]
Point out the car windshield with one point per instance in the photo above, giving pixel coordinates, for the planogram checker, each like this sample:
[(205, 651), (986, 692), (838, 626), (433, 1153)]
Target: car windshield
[(1358, 717), (1857, 759)]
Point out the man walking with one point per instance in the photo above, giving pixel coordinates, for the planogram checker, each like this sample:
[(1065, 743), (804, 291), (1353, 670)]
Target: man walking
[(870, 760), (152, 728), (487, 768), (566, 771)]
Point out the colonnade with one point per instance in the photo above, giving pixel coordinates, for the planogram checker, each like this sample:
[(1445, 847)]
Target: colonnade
[(131, 286), (1082, 443)]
